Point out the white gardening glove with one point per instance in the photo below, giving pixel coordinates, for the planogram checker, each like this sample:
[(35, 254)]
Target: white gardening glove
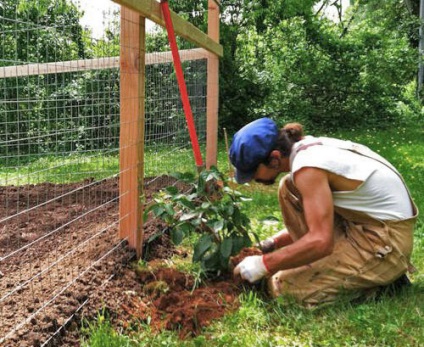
[(252, 268)]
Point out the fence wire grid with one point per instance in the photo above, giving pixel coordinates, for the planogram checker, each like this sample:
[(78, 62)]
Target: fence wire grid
[(59, 158)]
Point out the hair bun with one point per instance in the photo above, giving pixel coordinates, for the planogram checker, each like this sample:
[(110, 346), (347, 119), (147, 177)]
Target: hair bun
[(294, 131)]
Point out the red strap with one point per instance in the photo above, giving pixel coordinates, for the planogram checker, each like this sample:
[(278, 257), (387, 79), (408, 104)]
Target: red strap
[(181, 83), (265, 264), (303, 147)]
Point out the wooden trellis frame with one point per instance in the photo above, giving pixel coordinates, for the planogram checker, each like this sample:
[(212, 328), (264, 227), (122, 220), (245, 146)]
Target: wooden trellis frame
[(132, 62)]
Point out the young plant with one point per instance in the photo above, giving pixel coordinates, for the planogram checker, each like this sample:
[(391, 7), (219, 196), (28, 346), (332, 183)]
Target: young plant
[(210, 209)]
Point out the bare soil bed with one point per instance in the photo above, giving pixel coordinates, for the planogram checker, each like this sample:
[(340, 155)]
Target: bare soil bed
[(161, 296)]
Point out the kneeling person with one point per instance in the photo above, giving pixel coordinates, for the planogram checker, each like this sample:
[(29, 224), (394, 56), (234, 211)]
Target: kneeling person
[(348, 213)]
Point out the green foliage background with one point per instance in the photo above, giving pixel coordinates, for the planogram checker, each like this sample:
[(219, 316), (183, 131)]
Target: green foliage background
[(282, 59), (286, 60), (294, 64)]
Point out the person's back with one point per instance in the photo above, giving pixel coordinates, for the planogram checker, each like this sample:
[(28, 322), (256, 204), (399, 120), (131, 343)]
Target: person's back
[(381, 195)]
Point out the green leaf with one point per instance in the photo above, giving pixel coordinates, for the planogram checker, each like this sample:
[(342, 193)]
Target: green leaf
[(270, 218), (224, 262), (183, 176), (177, 235), (192, 196), (230, 209), (188, 216), (155, 235), (238, 244), (197, 222), (171, 190), (158, 210), (186, 228), (247, 242), (206, 205), (228, 190), (218, 225), (230, 225), (187, 203), (190, 212), (202, 246), (145, 215), (226, 247), (244, 199), (169, 209), (212, 262), (211, 176), (201, 185), (256, 237), (237, 217)]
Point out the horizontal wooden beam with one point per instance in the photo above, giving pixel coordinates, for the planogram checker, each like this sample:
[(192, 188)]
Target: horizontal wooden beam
[(185, 55), (94, 64), (151, 9), (58, 67)]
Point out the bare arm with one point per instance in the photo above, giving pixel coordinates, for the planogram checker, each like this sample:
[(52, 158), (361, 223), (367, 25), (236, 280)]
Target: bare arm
[(318, 242)]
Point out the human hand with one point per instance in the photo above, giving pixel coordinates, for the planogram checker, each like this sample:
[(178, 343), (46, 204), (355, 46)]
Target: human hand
[(251, 268), (267, 245)]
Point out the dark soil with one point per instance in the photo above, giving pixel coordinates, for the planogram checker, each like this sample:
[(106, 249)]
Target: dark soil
[(99, 277), (169, 299)]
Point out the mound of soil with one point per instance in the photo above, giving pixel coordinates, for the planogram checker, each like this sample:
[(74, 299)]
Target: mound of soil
[(169, 300)]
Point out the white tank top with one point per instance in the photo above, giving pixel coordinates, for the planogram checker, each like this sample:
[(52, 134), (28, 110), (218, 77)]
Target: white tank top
[(382, 195)]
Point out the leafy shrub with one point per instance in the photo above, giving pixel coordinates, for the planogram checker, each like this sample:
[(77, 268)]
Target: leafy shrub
[(333, 75), (211, 209)]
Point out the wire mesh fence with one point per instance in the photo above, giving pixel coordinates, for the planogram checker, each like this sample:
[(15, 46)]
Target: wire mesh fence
[(167, 138), (59, 159)]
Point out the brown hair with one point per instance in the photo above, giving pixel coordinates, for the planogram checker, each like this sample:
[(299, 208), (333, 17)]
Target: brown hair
[(288, 136)]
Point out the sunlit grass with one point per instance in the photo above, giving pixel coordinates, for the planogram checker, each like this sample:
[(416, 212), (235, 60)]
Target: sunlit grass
[(73, 168), (97, 166), (260, 321), (100, 334)]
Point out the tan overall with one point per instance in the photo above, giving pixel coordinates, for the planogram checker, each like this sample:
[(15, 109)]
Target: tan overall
[(368, 253)]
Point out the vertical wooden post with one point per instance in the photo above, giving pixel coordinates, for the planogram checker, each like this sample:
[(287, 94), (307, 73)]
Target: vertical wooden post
[(212, 87), (132, 64)]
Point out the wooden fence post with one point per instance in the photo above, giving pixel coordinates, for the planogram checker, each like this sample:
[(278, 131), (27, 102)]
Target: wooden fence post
[(132, 64), (212, 87)]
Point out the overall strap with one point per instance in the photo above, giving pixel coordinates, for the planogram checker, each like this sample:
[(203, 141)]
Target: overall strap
[(302, 148)]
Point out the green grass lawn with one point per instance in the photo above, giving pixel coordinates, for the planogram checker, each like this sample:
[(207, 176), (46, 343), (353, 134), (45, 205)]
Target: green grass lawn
[(62, 169), (31, 169), (391, 321)]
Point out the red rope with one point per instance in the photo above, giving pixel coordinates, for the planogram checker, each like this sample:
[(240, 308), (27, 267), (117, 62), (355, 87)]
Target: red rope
[(181, 83)]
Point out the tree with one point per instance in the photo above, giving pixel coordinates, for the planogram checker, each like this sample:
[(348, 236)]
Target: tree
[(328, 74)]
